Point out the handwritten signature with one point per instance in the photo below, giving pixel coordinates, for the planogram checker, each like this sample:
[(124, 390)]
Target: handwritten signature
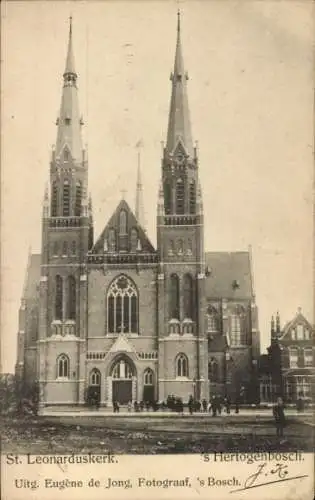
[(276, 474)]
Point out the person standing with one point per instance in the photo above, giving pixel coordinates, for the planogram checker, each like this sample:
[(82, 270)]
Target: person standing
[(278, 413)]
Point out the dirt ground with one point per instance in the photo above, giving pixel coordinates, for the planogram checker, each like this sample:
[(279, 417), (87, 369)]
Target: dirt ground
[(65, 435)]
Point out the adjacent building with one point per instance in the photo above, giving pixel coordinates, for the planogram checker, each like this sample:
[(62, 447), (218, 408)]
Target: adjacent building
[(117, 315), (288, 368)]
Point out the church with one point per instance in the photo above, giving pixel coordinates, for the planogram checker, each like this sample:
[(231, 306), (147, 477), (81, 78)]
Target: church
[(116, 315)]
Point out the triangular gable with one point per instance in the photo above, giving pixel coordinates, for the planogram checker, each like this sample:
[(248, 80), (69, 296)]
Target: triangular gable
[(143, 244), (299, 319), (122, 344), (180, 150)]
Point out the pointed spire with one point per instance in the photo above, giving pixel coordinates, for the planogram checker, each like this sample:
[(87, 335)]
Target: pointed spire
[(160, 206), (46, 202), (69, 69), (69, 140), (179, 120), (139, 210), (272, 326)]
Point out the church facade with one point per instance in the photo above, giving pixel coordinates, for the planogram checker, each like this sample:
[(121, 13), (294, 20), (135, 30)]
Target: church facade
[(118, 316)]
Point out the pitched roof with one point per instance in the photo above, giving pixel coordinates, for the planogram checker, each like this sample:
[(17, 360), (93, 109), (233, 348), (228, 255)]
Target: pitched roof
[(230, 275), (146, 245), (299, 318)]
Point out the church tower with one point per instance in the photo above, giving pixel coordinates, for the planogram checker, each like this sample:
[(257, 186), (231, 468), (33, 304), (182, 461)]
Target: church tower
[(180, 248), (67, 235)]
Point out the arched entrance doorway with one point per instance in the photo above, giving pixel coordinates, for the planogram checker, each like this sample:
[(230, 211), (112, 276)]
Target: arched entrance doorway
[(122, 374)]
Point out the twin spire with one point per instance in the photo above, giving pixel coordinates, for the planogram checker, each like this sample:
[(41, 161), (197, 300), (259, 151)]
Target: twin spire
[(69, 140)]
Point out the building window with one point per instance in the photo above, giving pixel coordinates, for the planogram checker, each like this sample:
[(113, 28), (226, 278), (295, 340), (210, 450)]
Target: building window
[(180, 196), (167, 198), (303, 387), (237, 330), (123, 222), (192, 197), (174, 296), (300, 332), (78, 198), (58, 297), (65, 249), (213, 371), (95, 377), (55, 248), (171, 248), (293, 334), (181, 366), (212, 320), (73, 248), (111, 240), (133, 240), (189, 247), (180, 246), (63, 366), (54, 200), (148, 377), (66, 199), (174, 326), (122, 306), (71, 297), (122, 370), (308, 356), (188, 296), (306, 334), (293, 357)]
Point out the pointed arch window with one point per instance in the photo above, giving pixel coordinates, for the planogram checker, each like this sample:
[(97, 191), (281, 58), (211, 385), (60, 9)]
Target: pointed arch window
[(167, 198), (78, 198), (66, 155), (237, 326), (55, 249), (95, 377), (54, 200), (111, 240), (181, 366), (180, 196), (180, 246), (73, 248), (63, 366), (192, 197), (133, 240), (174, 297), (212, 320), (122, 306), (122, 370), (66, 199), (188, 296), (58, 297), (148, 377), (123, 223), (71, 297), (65, 248)]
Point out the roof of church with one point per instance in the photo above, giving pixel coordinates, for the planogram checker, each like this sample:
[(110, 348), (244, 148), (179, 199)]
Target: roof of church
[(32, 277), (230, 275)]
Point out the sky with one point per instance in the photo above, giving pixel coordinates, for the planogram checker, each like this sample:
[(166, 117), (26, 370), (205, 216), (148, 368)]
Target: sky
[(250, 91)]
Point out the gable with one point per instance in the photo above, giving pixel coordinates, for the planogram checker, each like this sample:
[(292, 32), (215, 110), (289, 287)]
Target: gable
[(123, 234), (297, 329), (122, 344)]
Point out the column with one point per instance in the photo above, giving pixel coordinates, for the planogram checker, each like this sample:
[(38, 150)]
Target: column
[(109, 392), (134, 390)]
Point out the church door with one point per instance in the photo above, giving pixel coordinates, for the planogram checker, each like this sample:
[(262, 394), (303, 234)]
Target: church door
[(122, 382)]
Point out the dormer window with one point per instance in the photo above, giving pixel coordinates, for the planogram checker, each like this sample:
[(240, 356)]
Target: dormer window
[(122, 223), (66, 155), (300, 332)]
